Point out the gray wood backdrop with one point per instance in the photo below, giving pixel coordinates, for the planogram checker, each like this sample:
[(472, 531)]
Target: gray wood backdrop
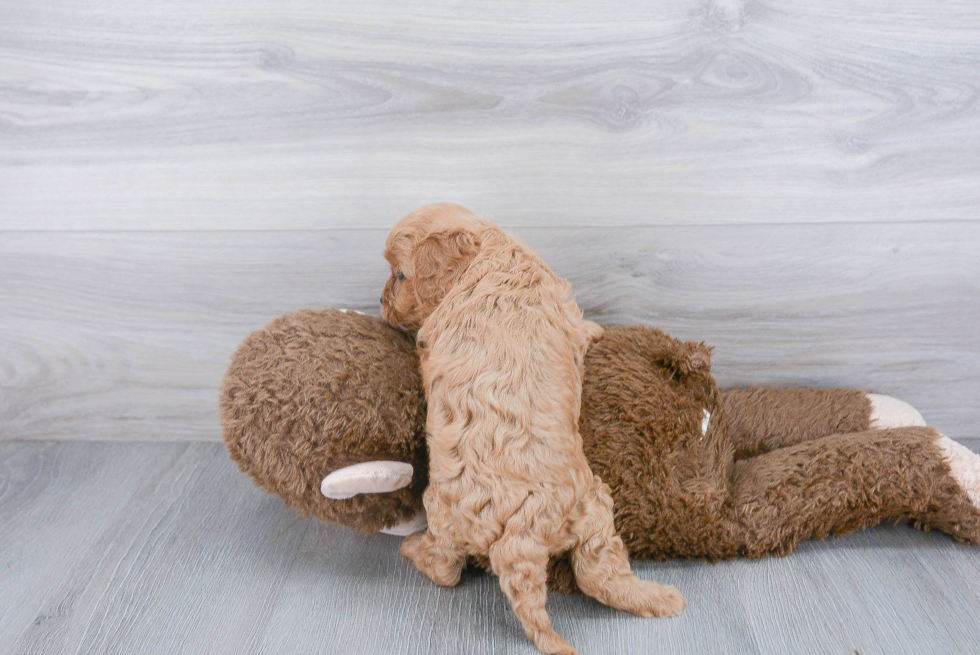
[(795, 182)]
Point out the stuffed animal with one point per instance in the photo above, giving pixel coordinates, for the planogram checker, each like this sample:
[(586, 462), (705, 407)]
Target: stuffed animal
[(326, 409)]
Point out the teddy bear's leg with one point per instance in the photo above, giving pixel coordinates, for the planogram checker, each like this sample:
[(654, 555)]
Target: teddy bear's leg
[(440, 559), (844, 482), (521, 564), (601, 563), (761, 419)]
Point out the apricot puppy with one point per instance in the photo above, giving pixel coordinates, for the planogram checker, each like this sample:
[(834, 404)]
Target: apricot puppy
[(502, 345)]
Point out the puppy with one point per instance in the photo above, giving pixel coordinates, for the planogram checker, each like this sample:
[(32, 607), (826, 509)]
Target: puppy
[(502, 345)]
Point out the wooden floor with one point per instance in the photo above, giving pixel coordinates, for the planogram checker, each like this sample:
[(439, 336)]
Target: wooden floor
[(796, 183), (161, 548)]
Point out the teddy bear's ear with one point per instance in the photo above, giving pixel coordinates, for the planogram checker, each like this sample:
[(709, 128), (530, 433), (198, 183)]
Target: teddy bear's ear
[(696, 358), (367, 478)]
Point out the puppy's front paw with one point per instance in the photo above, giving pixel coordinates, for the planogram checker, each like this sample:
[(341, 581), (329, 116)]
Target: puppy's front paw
[(444, 570), (411, 546)]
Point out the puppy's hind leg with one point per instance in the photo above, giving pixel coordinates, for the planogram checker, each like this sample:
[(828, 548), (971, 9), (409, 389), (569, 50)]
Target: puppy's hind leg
[(521, 564), (602, 567)]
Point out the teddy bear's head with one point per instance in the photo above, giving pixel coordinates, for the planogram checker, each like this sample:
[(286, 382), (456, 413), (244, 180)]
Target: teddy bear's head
[(318, 392)]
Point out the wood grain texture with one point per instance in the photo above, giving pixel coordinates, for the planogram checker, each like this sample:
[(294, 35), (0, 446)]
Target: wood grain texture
[(127, 335), (157, 548), (237, 115), (794, 182)]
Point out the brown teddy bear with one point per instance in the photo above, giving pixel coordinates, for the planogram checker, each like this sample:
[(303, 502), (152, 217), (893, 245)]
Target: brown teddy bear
[(326, 409)]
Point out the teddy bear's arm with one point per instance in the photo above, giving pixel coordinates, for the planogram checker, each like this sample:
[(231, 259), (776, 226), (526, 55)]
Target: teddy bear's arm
[(762, 419)]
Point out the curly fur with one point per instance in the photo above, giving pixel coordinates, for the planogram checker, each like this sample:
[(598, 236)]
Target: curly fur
[(502, 344)]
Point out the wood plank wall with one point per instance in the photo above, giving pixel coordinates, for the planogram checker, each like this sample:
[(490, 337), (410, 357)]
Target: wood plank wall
[(797, 183)]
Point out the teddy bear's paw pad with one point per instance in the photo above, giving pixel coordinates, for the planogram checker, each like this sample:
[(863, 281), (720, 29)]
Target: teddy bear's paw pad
[(889, 412), (964, 466)]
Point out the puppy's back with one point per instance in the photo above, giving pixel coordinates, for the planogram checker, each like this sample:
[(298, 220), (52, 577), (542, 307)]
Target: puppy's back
[(503, 366)]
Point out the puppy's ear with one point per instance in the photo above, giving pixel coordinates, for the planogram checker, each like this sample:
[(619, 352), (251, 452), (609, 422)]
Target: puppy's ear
[(438, 262)]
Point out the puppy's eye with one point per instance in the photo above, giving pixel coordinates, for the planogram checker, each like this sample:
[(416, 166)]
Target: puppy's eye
[(399, 276)]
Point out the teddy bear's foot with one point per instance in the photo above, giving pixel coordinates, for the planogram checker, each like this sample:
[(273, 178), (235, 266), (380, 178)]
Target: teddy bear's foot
[(954, 503), (964, 466), (888, 412)]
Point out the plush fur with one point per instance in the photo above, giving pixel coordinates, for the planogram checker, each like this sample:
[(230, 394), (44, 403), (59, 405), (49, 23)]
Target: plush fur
[(501, 344), (318, 390), (776, 465)]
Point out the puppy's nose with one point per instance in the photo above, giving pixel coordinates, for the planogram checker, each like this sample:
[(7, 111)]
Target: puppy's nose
[(382, 300)]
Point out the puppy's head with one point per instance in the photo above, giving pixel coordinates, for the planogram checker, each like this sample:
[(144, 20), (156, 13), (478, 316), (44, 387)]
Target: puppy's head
[(428, 251)]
